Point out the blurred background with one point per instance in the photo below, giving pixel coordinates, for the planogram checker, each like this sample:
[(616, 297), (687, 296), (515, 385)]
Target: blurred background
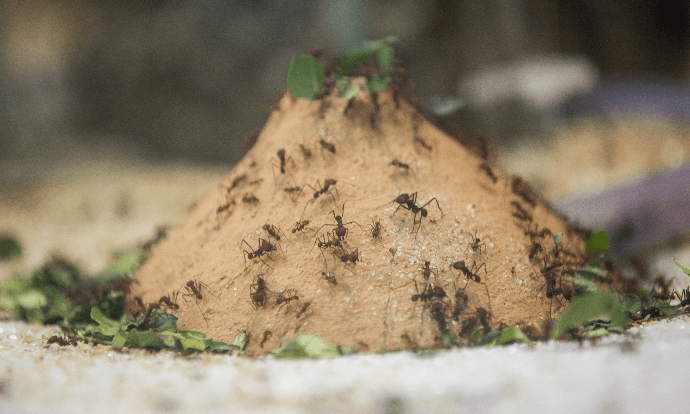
[(116, 116)]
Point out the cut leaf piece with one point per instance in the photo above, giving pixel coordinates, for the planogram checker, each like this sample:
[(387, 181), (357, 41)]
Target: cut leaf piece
[(509, 335), (306, 77), (683, 267), (378, 83), (598, 242), (240, 341), (9, 248), (350, 61), (590, 307), (126, 264), (306, 346), (345, 90)]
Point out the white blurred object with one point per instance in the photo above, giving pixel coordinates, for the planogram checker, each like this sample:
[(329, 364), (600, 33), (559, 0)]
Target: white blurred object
[(540, 82)]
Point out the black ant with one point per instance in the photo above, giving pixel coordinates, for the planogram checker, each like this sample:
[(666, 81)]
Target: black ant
[(538, 233), (438, 312), (534, 250), (327, 146), (332, 241), (421, 142), (340, 230), (684, 297), (170, 303), (426, 270), (400, 164), (272, 231), (476, 244), (524, 190), (264, 338), (484, 317), (286, 297), (470, 274), (409, 202), (193, 288), (226, 206), (281, 157), (460, 303), (249, 198), (430, 292), (303, 309), (488, 170), (258, 292), (327, 183), (520, 212), (237, 181), (328, 278), (376, 228), (293, 190), (299, 226), (352, 256), (265, 247), (306, 152), (62, 340)]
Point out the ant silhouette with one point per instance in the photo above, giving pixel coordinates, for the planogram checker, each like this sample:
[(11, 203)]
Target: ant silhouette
[(376, 228), (193, 288), (476, 244), (264, 248), (258, 292), (409, 202), (340, 231), (470, 274)]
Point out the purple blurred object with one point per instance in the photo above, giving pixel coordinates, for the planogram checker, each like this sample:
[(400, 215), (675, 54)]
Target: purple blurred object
[(636, 215)]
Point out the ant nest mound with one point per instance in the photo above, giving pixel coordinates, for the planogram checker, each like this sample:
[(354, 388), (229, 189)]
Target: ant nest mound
[(367, 225)]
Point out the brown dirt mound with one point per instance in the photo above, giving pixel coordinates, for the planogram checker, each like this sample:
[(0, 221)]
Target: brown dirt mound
[(372, 305)]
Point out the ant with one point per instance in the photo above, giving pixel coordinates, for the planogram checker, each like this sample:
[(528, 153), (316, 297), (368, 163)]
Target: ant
[(266, 336), (62, 340), (524, 190), (430, 292), (226, 206), (293, 190), (272, 231), (409, 202), (170, 303), (286, 297), (249, 198), (426, 270), (538, 233), (299, 226), (376, 228), (327, 183), (340, 230), (258, 292), (476, 244), (400, 164), (520, 212), (237, 181), (353, 256), (330, 279), (484, 317), (281, 157), (438, 312), (421, 142), (684, 297), (488, 170), (306, 152), (193, 288), (303, 309), (327, 146), (536, 248), (264, 248), (470, 274), (460, 303), (332, 242)]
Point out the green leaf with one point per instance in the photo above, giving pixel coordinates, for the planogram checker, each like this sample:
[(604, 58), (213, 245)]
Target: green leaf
[(593, 268), (9, 248), (631, 304), (180, 339), (119, 339), (345, 90), (590, 307), (306, 77), (384, 52), (31, 299), (685, 269), (306, 346), (511, 334), (240, 340), (350, 61), (582, 284), (15, 285), (106, 326), (126, 264), (378, 83), (143, 339), (598, 242), (447, 338), (220, 347), (557, 238)]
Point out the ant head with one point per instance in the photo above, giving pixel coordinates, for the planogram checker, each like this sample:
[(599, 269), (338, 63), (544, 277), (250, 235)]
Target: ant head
[(427, 263), (402, 198), (281, 153)]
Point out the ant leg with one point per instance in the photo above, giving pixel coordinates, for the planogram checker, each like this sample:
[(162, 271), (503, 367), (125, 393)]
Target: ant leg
[(429, 202)]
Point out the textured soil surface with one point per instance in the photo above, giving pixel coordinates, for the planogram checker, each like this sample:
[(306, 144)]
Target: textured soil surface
[(371, 306)]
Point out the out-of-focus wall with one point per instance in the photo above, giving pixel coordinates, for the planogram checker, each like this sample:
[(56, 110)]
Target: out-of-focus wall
[(193, 78)]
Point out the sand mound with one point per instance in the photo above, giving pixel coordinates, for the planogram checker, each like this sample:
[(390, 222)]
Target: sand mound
[(375, 150)]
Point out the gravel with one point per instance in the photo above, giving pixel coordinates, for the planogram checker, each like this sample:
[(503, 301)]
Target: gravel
[(644, 370)]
